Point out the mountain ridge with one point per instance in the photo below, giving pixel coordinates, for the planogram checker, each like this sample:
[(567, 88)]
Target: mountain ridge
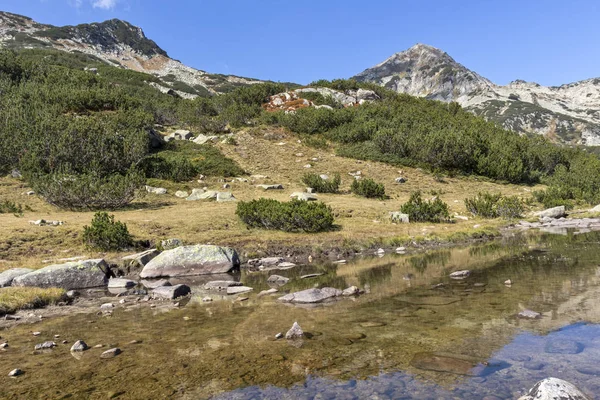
[(569, 113)]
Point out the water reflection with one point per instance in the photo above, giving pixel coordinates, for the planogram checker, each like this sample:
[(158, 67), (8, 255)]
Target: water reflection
[(416, 335)]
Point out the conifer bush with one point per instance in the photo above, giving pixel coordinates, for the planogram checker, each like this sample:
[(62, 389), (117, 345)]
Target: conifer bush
[(420, 210), (106, 234), (368, 188), (321, 185), (488, 205)]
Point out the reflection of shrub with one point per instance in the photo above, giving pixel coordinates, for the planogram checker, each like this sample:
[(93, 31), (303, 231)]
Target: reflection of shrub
[(293, 216), (106, 234), (368, 188), (321, 185), (489, 205), (420, 210)]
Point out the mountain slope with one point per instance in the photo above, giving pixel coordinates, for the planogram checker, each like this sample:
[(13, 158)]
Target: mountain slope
[(117, 43), (568, 114)]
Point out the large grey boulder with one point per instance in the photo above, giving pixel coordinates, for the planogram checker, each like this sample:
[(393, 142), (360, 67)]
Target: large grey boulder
[(8, 276), (140, 259), (311, 295), (192, 260), (555, 212), (554, 389), (71, 275), (195, 195), (366, 95), (225, 196), (203, 139), (171, 292)]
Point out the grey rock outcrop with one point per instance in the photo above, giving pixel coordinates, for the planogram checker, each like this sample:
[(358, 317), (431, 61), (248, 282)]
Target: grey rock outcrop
[(7, 277), (554, 389), (554, 212), (171, 292), (223, 197), (71, 275), (196, 195), (309, 296), (140, 259), (192, 260)]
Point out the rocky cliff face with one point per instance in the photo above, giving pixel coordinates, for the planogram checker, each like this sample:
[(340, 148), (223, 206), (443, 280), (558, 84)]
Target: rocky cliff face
[(120, 44), (567, 114)]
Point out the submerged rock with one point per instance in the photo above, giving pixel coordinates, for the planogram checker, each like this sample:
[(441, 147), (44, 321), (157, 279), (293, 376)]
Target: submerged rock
[(529, 314), (7, 277), (554, 389), (171, 292), (311, 295), (192, 260), (295, 332), (220, 285), (156, 284), (451, 363), (140, 259), (121, 283), (278, 280), (71, 275), (238, 289), (460, 274), (563, 346)]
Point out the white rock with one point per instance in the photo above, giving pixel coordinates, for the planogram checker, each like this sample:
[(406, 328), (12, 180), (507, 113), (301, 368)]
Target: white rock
[(460, 274), (295, 332), (554, 389)]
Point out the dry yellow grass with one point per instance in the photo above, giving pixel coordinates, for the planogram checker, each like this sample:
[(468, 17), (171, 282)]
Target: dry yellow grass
[(16, 298), (362, 221)]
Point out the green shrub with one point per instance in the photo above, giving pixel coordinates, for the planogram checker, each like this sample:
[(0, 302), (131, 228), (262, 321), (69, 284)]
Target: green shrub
[(88, 191), (420, 210), (489, 205), (9, 207), (368, 188), (177, 169), (555, 196), (105, 234), (293, 216), (321, 185)]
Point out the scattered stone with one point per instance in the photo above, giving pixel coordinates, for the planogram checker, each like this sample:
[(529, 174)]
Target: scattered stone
[(408, 277), (197, 194), (203, 139), (207, 299), (220, 285), (461, 217), (295, 332), (171, 292), (595, 209), (340, 262), (400, 180), (270, 187), (8, 276), (529, 314), (192, 260), (107, 306), (278, 280), (351, 291), (311, 295), (227, 186), (79, 345), (16, 174), (380, 251), (460, 274), (555, 212), (238, 289), (36, 333), (169, 244), (45, 346), (43, 222), (111, 353), (225, 197), (304, 196), (121, 283), (4, 345), (15, 372), (308, 276), (372, 324), (286, 265), (508, 282), (98, 346), (308, 166), (30, 193), (240, 299), (400, 249), (279, 335), (563, 346), (267, 292), (71, 275), (181, 194), (156, 190), (554, 389)]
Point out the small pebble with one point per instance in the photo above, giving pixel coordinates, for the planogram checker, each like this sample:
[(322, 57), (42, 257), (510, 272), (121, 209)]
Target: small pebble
[(37, 333), (98, 346), (279, 335), (3, 345), (15, 372)]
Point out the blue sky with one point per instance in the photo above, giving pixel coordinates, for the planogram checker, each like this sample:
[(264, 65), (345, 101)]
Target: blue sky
[(547, 41)]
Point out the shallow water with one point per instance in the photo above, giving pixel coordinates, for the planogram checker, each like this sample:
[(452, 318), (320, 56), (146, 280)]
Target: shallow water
[(402, 340)]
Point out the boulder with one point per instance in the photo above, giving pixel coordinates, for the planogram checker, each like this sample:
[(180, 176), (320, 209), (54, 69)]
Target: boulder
[(399, 218), (351, 291), (79, 345), (555, 212), (156, 139), (111, 353), (270, 187), (220, 285), (554, 389), (156, 190), (311, 295), (182, 194), (15, 173), (196, 195), (208, 195), (203, 139), (140, 259), (225, 197), (192, 260), (181, 134), (45, 346), (121, 283), (71, 275), (295, 332), (366, 95), (15, 372), (171, 292), (400, 179), (529, 314), (267, 292), (595, 209), (304, 196), (7, 277)]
